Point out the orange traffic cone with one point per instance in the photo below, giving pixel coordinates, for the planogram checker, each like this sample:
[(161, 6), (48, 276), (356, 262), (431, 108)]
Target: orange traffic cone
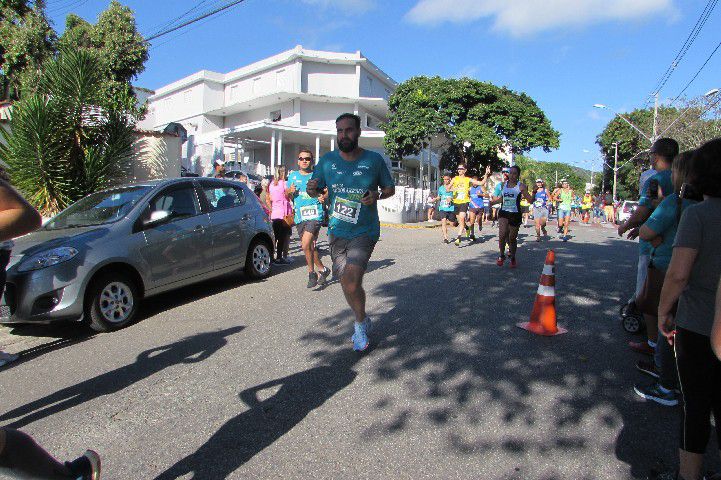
[(543, 316)]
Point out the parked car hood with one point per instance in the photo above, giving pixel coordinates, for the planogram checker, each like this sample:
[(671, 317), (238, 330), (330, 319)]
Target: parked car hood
[(42, 239)]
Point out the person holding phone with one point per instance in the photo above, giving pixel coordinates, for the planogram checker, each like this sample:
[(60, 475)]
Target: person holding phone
[(355, 179)]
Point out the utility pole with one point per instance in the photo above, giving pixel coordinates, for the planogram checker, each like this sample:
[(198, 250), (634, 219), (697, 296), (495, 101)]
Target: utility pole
[(615, 168), (655, 118)]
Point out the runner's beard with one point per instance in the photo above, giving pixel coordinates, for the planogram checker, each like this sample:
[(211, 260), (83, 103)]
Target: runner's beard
[(346, 145)]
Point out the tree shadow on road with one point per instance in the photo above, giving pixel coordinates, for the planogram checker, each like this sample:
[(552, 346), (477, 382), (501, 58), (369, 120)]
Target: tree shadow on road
[(194, 349), (522, 406), (265, 421)]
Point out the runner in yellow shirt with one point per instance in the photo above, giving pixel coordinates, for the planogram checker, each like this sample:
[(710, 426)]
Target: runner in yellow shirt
[(586, 206), (461, 188)]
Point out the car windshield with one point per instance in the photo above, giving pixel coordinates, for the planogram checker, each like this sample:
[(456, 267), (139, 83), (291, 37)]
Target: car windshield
[(98, 208)]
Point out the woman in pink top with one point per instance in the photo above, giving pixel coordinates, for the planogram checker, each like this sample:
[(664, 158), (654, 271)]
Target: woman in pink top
[(280, 206)]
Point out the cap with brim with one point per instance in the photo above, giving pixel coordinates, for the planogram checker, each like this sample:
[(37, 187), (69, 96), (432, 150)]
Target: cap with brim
[(539, 180)]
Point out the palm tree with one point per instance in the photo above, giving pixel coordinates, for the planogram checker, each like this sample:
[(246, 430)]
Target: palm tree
[(64, 141)]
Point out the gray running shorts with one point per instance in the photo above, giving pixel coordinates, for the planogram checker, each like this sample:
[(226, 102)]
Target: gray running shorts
[(350, 251), (311, 226)]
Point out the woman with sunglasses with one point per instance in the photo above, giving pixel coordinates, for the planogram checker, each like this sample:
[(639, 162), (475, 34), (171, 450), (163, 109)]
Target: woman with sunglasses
[(509, 216), (308, 217)]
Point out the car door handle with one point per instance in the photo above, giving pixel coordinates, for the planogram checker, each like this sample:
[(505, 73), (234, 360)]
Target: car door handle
[(245, 217)]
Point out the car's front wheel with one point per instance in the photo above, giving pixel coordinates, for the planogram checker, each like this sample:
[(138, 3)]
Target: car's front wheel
[(257, 263), (112, 302)]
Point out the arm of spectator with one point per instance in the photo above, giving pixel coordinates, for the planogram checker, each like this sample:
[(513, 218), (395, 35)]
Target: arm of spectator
[(17, 216), (716, 332), (638, 217), (646, 233), (674, 283)]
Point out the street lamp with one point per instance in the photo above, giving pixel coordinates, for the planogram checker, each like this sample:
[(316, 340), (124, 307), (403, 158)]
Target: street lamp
[(606, 107)]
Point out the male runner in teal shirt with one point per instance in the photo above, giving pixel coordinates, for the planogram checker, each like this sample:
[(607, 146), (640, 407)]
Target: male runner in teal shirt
[(356, 179)]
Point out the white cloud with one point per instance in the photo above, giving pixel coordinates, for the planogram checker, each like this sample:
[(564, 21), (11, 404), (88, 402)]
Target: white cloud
[(524, 17), (353, 6)]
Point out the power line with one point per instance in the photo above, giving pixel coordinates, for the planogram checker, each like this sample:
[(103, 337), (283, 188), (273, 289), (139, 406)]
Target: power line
[(692, 36), (697, 73), (174, 21), (190, 29), (193, 20)]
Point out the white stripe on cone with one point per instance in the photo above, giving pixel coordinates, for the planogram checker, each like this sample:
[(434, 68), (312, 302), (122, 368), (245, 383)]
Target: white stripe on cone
[(546, 291), (549, 270)]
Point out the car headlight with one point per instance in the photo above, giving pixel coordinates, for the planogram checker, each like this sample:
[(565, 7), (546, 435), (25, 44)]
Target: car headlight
[(47, 258)]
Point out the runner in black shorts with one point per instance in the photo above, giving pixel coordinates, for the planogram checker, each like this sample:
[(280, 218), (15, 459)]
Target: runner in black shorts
[(509, 215)]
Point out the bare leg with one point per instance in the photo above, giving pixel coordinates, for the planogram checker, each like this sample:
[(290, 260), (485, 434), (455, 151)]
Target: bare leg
[(352, 283), (566, 222), (472, 222), (444, 228), (537, 221), (461, 223), (502, 235), (512, 240), (690, 465), (20, 455), (307, 243)]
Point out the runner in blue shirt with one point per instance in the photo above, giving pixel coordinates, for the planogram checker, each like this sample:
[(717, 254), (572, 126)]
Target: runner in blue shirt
[(356, 179), (308, 217), (541, 197), (476, 205), (445, 205)]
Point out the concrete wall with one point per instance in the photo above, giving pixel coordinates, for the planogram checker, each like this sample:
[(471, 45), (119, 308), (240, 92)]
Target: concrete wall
[(321, 115), (280, 78), (373, 86), (329, 79), (286, 111)]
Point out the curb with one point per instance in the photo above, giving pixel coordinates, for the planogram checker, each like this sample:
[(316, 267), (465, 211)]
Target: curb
[(408, 226)]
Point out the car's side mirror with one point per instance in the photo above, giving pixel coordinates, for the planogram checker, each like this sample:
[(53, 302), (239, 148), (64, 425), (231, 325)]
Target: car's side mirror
[(156, 218)]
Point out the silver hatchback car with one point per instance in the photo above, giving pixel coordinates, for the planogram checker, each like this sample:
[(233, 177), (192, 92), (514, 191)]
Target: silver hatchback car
[(99, 257)]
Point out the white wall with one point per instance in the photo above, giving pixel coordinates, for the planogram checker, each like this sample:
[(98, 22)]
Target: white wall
[(154, 157), (329, 79), (322, 115), (260, 114), (280, 78), (373, 86)]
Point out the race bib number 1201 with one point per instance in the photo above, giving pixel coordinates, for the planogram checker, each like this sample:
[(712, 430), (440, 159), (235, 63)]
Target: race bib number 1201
[(346, 210)]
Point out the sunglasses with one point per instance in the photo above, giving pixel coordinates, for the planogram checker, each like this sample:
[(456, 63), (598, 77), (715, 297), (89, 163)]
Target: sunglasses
[(304, 159)]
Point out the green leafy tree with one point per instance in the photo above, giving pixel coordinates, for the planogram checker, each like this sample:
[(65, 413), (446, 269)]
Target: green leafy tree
[(471, 120), (26, 42), (121, 49), (693, 123), (65, 140)]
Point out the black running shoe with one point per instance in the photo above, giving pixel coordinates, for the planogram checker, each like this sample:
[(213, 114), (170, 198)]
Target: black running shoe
[(323, 276), (86, 467), (312, 279)]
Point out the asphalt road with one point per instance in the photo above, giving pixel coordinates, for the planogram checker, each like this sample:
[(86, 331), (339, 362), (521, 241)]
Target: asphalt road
[(233, 379)]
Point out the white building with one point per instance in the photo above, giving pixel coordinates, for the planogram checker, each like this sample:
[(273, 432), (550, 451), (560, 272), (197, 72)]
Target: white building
[(261, 115)]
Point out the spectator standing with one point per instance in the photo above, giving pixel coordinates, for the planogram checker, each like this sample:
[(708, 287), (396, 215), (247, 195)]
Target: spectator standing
[(660, 231), (430, 207), (716, 332), (608, 210), (662, 153), (692, 278), (280, 208)]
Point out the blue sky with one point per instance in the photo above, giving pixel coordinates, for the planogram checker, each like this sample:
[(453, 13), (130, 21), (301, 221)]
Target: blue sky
[(566, 54)]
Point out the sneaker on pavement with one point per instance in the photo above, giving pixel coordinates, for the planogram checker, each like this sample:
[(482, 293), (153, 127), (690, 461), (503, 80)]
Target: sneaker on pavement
[(86, 467), (6, 358), (641, 347), (360, 337), (649, 368), (446, 241), (654, 393), (500, 261), (323, 276), (513, 262), (458, 242), (312, 279), (472, 238)]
